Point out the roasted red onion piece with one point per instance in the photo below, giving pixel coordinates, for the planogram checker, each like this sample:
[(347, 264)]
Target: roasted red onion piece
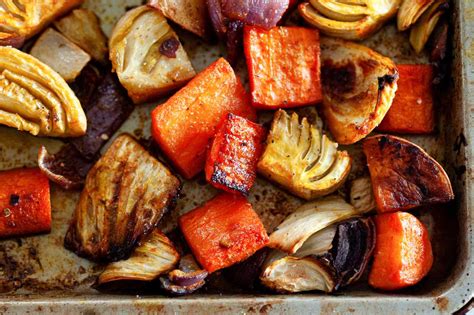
[(107, 106), (218, 20), (263, 13), (185, 280), (245, 274)]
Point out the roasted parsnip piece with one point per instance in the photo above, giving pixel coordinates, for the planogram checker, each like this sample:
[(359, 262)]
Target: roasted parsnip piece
[(65, 57), (82, 27), (403, 175), (354, 21), (359, 86), (21, 19), (191, 15), (147, 55), (125, 195), (301, 159), (34, 98)]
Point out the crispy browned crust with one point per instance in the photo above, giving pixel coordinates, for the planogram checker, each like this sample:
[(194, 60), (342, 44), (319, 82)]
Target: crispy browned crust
[(359, 86), (23, 19), (125, 195), (403, 175)]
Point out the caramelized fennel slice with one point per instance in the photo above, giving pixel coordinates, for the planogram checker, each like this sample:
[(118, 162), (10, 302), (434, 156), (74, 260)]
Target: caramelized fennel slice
[(125, 195), (359, 86), (308, 219), (155, 255), (422, 30), (410, 11), (299, 158), (362, 195), (40, 99)]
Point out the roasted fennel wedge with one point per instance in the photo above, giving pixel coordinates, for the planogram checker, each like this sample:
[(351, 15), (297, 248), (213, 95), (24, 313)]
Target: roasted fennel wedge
[(307, 220), (330, 259), (353, 21), (125, 195), (155, 255), (302, 159), (147, 55), (36, 99), (359, 86)]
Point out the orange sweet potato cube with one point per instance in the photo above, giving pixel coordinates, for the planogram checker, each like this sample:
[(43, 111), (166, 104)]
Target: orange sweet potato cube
[(25, 206), (224, 231), (184, 125), (231, 163), (412, 109), (284, 66)]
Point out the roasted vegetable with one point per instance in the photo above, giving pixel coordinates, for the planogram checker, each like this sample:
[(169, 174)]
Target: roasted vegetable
[(359, 86), (308, 219), (354, 21), (147, 55), (410, 11), (422, 30), (184, 124), (224, 231), (331, 259), (185, 280), (21, 19), (403, 175), (402, 254), (192, 15), (125, 195), (82, 27), (63, 56), (231, 163), (154, 256), (362, 195), (229, 17), (24, 202), (107, 106), (412, 109), (284, 66), (34, 98), (301, 159)]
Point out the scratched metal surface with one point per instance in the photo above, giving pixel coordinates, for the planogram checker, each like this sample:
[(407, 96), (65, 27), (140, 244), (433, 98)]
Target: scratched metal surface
[(38, 275)]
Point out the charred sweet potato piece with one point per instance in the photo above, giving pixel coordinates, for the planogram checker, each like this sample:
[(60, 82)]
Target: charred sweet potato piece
[(25, 206), (184, 124), (232, 159), (403, 175), (284, 66), (224, 231), (412, 108), (402, 255)]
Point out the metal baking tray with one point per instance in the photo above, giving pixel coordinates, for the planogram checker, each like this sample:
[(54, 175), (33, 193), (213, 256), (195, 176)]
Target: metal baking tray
[(37, 275)]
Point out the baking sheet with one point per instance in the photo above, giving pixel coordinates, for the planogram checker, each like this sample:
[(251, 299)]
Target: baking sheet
[(39, 268)]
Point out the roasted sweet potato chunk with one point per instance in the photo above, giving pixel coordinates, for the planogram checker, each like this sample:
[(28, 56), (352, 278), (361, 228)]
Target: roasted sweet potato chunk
[(402, 255), (231, 163), (403, 175), (25, 206), (284, 66), (412, 108), (224, 231), (184, 124)]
